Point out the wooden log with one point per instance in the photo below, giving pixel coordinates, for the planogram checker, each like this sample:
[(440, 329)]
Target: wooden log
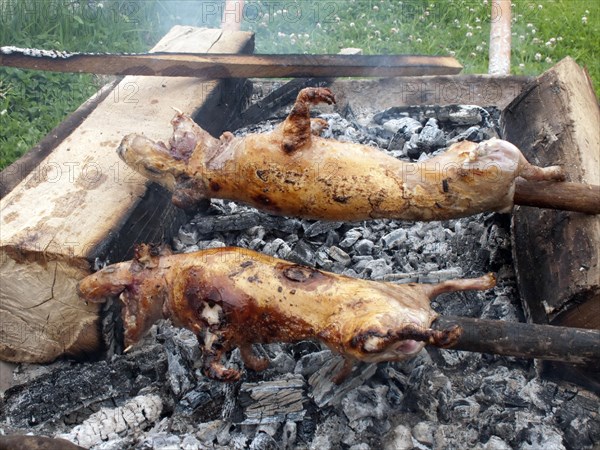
[(230, 66), (555, 120), (525, 340), (82, 205)]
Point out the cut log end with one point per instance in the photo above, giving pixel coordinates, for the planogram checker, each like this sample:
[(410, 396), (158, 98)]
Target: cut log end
[(42, 316)]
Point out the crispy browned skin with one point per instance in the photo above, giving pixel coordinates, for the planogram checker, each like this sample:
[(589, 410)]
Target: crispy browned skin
[(289, 171), (233, 297)]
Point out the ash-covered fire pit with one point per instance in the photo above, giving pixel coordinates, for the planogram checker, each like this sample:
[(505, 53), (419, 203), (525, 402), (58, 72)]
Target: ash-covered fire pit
[(154, 396)]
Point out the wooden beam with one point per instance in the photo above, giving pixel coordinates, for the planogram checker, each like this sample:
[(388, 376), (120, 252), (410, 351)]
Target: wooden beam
[(82, 206), (217, 66)]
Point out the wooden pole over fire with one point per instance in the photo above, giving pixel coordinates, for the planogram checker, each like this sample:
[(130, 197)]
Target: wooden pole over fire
[(500, 38)]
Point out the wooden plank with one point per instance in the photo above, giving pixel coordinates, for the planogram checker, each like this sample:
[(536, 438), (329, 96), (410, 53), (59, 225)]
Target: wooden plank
[(12, 175), (82, 205), (555, 120), (230, 66)]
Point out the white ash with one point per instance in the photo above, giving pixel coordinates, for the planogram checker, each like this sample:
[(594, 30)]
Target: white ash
[(439, 399)]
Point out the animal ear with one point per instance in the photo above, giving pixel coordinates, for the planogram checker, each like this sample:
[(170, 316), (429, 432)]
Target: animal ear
[(188, 194)]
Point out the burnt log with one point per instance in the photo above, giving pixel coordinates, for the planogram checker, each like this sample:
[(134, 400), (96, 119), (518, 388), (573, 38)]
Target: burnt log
[(81, 207), (556, 118)]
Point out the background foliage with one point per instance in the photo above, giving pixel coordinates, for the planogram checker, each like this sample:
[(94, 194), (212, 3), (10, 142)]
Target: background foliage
[(33, 102)]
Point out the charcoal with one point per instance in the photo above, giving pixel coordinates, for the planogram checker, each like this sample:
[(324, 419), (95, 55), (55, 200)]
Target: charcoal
[(366, 401), (302, 253), (324, 392), (323, 260), (393, 238), (494, 443), (377, 269), (396, 145), (431, 137), (423, 432), (405, 125), (320, 227), (339, 255), (400, 439), (263, 441), (364, 247), (289, 435), (411, 147), (272, 247), (278, 400), (189, 442), (350, 238), (466, 115)]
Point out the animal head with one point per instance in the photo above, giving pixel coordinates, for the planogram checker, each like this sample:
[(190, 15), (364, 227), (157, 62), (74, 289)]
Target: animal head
[(139, 287)]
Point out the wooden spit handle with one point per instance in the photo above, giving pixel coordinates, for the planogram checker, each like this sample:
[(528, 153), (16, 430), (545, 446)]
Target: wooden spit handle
[(525, 340), (563, 195)]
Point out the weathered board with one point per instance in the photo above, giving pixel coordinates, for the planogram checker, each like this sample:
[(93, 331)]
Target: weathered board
[(556, 120), (82, 205)]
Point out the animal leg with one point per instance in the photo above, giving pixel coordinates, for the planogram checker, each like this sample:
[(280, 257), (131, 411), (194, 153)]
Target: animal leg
[(212, 351), (297, 125), (252, 361), (487, 281), (535, 173)]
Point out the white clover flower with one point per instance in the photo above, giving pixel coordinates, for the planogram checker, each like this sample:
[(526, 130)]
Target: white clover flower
[(452, 53), (419, 40), (293, 41), (584, 20), (587, 11), (375, 8), (319, 26), (469, 34), (560, 38), (529, 25), (521, 37), (395, 30), (536, 41), (538, 57), (477, 20), (548, 59), (351, 24), (479, 48), (540, 6), (473, 54), (533, 31), (426, 13), (377, 32), (521, 66), (280, 34), (478, 27)]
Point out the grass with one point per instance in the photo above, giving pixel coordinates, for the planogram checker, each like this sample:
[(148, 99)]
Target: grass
[(32, 102)]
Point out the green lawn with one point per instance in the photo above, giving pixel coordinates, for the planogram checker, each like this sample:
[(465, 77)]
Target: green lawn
[(32, 103)]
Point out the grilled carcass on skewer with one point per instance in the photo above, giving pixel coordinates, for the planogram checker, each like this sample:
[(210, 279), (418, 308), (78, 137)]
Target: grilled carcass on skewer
[(292, 171), (233, 297)]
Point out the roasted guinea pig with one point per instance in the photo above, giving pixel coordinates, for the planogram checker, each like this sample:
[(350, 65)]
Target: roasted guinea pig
[(291, 171), (233, 297)]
